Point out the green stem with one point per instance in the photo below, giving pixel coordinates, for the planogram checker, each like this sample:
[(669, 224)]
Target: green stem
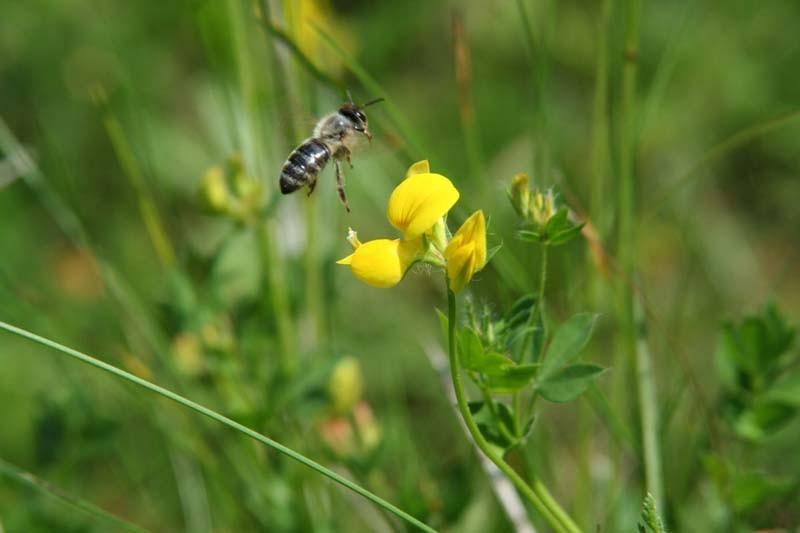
[(542, 282), (487, 399), (537, 495), (648, 410), (152, 387)]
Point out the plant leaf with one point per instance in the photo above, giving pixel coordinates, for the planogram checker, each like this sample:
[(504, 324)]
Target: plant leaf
[(513, 378), (763, 419), (565, 235), (570, 382), (568, 342)]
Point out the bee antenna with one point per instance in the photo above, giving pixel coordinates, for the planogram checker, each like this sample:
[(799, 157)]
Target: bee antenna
[(375, 101), (349, 96)]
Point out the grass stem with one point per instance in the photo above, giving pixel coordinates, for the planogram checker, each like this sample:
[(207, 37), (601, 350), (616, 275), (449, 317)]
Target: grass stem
[(161, 391)]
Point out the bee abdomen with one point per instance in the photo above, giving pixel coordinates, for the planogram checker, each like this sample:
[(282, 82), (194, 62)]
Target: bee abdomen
[(303, 165)]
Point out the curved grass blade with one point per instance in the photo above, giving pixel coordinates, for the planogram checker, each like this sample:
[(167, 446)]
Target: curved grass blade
[(284, 38), (152, 387), (26, 478)]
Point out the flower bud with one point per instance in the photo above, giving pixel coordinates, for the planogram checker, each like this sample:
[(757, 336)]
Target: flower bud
[(214, 191), (520, 194), (188, 354), (345, 385), (543, 207)]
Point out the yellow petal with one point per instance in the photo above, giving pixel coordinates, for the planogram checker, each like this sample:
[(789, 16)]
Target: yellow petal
[(466, 252), (382, 263), (419, 201), (460, 267), (420, 167)]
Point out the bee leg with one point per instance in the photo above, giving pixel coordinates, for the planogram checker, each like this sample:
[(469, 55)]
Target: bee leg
[(340, 185), (311, 184), (346, 155)]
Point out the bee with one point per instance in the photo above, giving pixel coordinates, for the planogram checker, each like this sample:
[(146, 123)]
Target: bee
[(333, 138)]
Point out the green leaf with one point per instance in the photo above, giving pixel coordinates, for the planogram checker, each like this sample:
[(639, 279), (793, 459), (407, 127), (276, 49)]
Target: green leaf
[(474, 357), (492, 364), (528, 235), (755, 345), (565, 235), (557, 223), (513, 378), (786, 390), (568, 342), (570, 382), (444, 324), (520, 311), (763, 419), (487, 424), (470, 348), (492, 252), (751, 490)]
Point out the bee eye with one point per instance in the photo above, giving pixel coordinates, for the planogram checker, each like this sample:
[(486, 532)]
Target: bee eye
[(361, 116)]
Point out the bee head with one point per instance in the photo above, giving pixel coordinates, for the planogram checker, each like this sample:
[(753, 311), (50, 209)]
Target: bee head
[(355, 115)]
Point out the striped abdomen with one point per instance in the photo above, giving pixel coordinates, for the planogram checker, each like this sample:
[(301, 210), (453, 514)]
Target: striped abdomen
[(304, 165)]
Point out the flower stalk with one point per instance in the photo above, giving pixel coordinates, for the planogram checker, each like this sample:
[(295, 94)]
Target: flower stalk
[(537, 495)]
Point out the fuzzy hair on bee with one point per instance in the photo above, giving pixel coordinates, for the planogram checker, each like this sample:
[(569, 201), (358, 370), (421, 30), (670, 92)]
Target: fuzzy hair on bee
[(333, 137)]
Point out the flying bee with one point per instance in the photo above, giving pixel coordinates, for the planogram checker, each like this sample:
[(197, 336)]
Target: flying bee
[(334, 137)]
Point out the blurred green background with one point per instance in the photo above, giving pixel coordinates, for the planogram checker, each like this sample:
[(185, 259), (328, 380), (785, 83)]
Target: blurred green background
[(112, 113)]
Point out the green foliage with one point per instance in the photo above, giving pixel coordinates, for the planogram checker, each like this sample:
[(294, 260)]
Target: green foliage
[(759, 373), (250, 312), (568, 383), (651, 521), (558, 230), (568, 342)]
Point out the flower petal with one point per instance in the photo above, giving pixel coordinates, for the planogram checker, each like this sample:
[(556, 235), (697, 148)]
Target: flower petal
[(419, 201), (382, 263), (420, 167), (466, 252), (460, 267)]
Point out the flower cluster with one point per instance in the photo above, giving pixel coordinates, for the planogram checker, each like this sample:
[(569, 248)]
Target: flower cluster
[(418, 207), (547, 222), (231, 191)]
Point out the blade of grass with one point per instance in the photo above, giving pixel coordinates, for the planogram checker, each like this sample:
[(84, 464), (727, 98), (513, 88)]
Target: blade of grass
[(26, 478), (281, 36), (537, 55), (152, 387), (466, 107), (648, 407), (132, 170)]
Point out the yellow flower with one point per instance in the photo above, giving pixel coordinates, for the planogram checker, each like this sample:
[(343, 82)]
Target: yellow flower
[(382, 263), (466, 252), (420, 201), (416, 206)]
